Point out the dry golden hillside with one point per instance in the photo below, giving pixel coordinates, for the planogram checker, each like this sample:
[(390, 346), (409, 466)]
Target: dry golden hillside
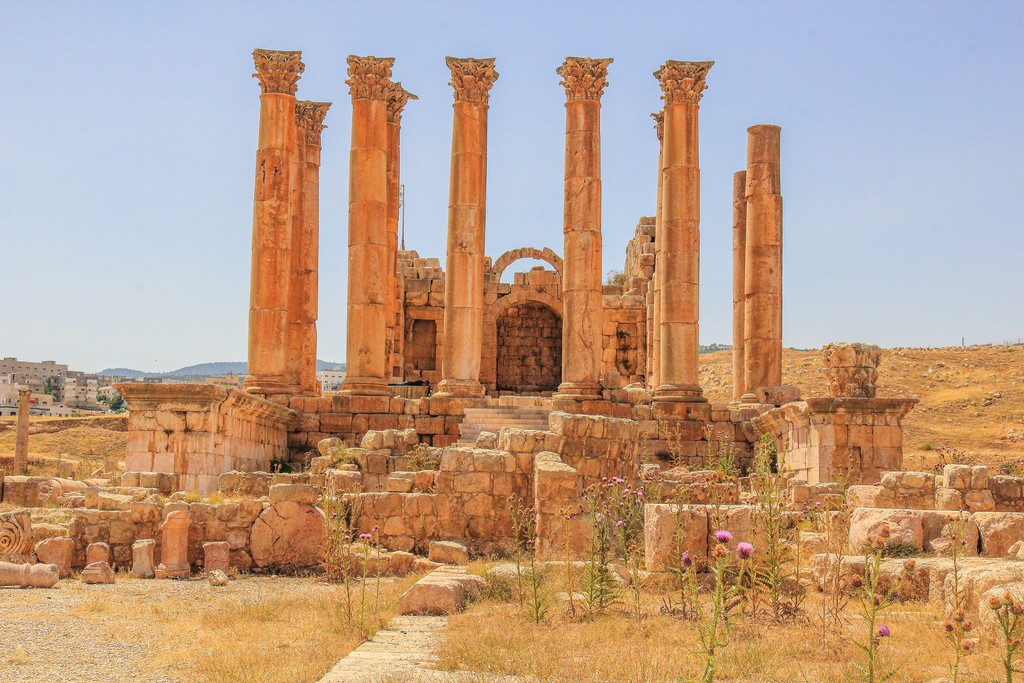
[(972, 398)]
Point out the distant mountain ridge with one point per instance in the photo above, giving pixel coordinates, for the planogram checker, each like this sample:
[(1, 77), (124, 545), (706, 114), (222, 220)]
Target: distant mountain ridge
[(204, 370)]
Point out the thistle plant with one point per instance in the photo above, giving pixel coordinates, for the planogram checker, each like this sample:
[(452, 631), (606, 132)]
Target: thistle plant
[(770, 491), (598, 589), (341, 514), (713, 621), (524, 538), (958, 627), (1011, 631), (873, 600)]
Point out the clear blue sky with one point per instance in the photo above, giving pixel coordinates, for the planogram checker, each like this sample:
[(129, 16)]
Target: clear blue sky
[(128, 131)]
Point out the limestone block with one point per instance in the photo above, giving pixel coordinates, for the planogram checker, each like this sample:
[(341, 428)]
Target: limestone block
[(949, 499), (777, 396), (424, 480), (999, 531), (905, 528), (294, 493), (97, 552), (1006, 489), (673, 529), (401, 482), (443, 591), (142, 558), (979, 501), (28, 575), (97, 572), (57, 551), (21, 491), (977, 580), (956, 477), (448, 552), (487, 440), (943, 529), (174, 546), (216, 556), (344, 481), (288, 534), (979, 477), (863, 496)]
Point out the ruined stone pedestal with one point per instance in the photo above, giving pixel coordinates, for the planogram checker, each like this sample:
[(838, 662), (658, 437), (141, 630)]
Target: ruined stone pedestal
[(174, 546)]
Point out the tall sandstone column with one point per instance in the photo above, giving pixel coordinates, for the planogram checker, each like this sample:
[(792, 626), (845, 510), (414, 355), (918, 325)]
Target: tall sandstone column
[(302, 310), (739, 256), (398, 97), (682, 84), (472, 80), (369, 83), (21, 436), (762, 339), (654, 311), (584, 80), (278, 73)]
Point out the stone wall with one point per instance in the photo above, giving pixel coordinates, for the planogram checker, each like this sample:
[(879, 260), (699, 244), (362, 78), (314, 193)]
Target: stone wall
[(624, 339), (959, 487), (529, 349), (200, 431)]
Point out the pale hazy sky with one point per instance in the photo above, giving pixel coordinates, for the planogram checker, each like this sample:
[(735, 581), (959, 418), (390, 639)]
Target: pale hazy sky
[(128, 132)]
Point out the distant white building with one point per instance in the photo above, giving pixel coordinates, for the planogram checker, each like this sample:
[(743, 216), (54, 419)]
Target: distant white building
[(330, 380)]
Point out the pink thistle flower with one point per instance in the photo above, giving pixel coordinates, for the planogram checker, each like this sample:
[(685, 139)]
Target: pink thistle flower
[(365, 536), (619, 523), (744, 550), (686, 560), (883, 631), (723, 536)]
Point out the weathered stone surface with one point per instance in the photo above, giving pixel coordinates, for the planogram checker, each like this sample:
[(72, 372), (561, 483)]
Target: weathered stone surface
[(216, 556), (142, 558), (905, 528), (448, 552), (97, 572), (999, 531), (22, 491), (288, 534), (443, 591), (174, 546), (57, 551), (28, 575), (98, 552), (779, 395), (217, 578), (15, 535), (669, 531), (294, 493)]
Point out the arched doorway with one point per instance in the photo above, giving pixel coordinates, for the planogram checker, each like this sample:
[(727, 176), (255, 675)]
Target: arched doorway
[(529, 349)]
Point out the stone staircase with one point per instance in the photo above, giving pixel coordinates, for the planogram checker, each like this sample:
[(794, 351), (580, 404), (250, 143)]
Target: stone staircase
[(494, 417)]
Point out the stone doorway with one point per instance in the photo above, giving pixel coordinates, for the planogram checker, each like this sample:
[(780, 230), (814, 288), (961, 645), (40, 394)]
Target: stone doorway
[(529, 349)]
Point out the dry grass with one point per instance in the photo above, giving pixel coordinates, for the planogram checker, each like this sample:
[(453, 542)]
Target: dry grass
[(496, 639), (258, 630), (76, 451)]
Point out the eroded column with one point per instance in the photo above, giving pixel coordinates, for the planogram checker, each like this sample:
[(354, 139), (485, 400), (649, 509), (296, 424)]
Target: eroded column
[(21, 436), (763, 262), (278, 73), (398, 97), (739, 255), (682, 85), (654, 312), (472, 80), (303, 307), (584, 80), (369, 83)]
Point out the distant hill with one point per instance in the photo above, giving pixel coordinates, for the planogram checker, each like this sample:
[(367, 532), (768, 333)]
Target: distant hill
[(204, 370)]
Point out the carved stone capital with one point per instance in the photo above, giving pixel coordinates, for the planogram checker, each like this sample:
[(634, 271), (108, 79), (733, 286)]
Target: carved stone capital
[(659, 123), (683, 81), (278, 70), (309, 117), (584, 78), (851, 369), (369, 78), (397, 98), (472, 78)]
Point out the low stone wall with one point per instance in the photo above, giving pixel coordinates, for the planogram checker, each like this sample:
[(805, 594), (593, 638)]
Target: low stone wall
[(959, 487)]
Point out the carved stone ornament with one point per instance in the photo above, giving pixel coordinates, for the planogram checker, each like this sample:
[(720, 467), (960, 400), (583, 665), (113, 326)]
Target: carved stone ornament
[(278, 70), (659, 123), (309, 116), (15, 535), (369, 78), (472, 78), (584, 78), (397, 98), (683, 81), (851, 369)]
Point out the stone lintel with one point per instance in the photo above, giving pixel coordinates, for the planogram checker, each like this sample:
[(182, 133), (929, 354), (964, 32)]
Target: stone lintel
[(278, 71), (142, 396)]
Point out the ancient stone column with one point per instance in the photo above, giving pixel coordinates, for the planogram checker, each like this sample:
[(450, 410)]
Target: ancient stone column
[(21, 436), (682, 85), (584, 80), (142, 558), (278, 74), (174, 546), (762, 339), (739, 255), (654, 311), (397, 98), (305, 257), (472, 80), (369, 83), (29, 575)]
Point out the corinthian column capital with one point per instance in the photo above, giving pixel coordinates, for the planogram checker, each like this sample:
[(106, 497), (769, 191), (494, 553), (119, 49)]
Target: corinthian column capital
[(683, 81), (278, 70), (584, 78), (369, 78), (659, 123), (309, 116), (397, 97), (472, 78)]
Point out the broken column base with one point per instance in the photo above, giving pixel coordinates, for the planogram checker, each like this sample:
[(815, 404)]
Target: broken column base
[(29, 575)]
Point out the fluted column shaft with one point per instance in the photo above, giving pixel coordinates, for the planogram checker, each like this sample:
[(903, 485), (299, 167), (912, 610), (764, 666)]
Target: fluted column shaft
[(682, 84), (739, 254), (278, 73), (369, 80), (584, 80), (21, 436), (396, 101), (467, 209), (763, 261), (654, 311)]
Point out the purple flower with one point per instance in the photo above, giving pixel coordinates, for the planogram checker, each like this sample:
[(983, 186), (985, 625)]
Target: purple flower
[(686, 560), (883, 631), (723, 536), (366, 536), (619, 523), (744, 550)]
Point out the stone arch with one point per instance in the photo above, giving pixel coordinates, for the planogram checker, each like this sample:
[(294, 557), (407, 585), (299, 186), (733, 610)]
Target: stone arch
[(513, 255), (494, 312)]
